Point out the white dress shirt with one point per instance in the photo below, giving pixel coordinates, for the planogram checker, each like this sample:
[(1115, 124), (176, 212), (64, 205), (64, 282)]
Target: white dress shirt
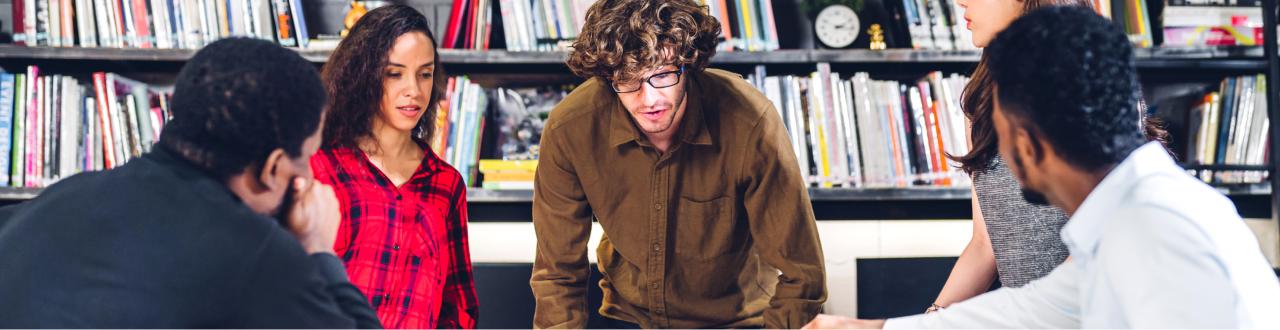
[(1151, 247)]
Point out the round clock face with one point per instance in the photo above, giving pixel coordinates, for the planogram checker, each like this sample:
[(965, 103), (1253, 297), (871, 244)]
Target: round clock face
[(836, 26)]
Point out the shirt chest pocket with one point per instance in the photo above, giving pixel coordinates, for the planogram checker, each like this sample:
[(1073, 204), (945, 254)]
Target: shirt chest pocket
[(707, 229)]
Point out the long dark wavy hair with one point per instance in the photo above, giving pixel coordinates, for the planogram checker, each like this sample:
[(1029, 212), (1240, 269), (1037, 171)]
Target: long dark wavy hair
[(977, 102), (353, 75)]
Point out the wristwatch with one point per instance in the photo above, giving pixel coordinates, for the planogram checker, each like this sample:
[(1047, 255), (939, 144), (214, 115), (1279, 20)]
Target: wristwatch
[(933, 308)]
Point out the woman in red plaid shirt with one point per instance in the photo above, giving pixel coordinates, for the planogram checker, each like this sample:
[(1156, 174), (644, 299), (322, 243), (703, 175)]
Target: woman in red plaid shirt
[(404, 210)]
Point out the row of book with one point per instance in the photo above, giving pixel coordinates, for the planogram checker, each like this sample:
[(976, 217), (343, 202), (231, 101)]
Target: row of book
[(541, 25), (745, 24), (1230, 126), (859, 132), (53, 126), (156, 23), (470, 25), (916, 24), (551, 25), (460, 122)]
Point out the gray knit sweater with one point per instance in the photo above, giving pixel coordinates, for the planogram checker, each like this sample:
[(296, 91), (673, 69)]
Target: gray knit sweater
[(1025, 238)]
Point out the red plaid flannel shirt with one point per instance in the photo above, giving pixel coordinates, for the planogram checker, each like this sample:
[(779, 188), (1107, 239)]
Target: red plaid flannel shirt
[(405, 248)]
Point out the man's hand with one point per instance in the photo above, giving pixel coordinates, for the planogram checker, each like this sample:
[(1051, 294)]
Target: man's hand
[(314, 216), (824, 321)]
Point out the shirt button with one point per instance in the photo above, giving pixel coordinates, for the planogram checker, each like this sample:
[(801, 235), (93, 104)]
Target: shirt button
[(659, 312), (654, 285), (657, 206), (398, 197), (397, 247), (656, 247)]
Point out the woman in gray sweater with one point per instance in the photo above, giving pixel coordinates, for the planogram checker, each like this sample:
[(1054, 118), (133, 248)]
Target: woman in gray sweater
[(1013, 238)]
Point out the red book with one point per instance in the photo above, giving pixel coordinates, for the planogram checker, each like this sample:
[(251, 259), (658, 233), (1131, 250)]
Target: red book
[(458, 9), (141, 23), (19, 21), (100, 88)]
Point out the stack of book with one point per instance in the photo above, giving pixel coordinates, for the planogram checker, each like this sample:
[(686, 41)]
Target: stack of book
[(156, 23), (1212, 23), (1230, 126), (52, 126), (459, 123), (859, 132), (508, 174)]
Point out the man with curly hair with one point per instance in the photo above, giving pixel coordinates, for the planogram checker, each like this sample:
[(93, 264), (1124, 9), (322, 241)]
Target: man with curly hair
[(688, 170)]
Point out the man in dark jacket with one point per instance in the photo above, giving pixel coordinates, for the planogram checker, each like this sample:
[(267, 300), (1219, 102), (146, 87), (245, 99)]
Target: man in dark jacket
[(219, 226)]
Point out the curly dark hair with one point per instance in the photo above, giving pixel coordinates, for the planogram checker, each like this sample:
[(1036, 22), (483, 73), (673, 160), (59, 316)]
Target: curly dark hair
[(353, 75), (239, 99), (1087, 114), (622, 38), (977, 104)]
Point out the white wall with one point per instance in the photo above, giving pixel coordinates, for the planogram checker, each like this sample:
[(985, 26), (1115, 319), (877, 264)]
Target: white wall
[(843, 243)]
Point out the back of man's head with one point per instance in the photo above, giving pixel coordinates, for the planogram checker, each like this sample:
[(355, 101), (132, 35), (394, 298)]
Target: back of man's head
[(239, 99), (1067, 76)]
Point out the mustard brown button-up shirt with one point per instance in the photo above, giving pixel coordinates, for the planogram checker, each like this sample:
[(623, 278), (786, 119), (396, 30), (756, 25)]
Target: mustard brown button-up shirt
[(717, 232)]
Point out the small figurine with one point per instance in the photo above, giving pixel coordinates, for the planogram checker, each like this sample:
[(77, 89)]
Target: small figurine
[(357, 11), (877, 37)]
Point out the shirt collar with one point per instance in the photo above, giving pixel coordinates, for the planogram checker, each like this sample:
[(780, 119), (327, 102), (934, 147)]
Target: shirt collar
[(693, 128), (1083, 231)]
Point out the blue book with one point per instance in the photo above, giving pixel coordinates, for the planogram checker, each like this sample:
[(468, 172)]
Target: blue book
[(1224, 122), (7, 93)]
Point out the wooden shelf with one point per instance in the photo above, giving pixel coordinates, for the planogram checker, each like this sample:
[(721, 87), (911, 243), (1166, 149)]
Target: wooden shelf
[(1242, 58)]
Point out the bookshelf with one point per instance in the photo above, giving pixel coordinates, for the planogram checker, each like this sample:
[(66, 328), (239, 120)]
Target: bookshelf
[(1242, 58), (497, 66)]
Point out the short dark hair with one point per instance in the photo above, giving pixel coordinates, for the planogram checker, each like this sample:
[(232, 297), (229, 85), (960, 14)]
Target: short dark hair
[(1067, 75), (354, 74), (622, 38), (237, 100)]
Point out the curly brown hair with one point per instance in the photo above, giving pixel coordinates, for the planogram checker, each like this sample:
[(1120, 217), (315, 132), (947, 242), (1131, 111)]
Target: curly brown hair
[(353, 75), (623, 38)]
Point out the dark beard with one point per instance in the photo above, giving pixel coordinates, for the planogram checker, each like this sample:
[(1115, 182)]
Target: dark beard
[(1031, 196), (1034, 197)]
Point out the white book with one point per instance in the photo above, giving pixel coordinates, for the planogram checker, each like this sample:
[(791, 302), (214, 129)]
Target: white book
[(795, 124), (70, 126), (836, 153), (1246, 112), (847, 116), (55, 23), (941, 27), (1259, 131), (509, 25), (237, 14), (88, 16), (919, 24), (862, 111), (29, 23), (160, 29)]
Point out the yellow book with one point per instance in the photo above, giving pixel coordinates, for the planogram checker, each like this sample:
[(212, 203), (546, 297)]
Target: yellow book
[(495, 165), (508, 176)]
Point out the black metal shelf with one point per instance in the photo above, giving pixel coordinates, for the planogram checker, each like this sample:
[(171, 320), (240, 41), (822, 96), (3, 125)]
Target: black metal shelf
[(1237, 58), (828, 203)]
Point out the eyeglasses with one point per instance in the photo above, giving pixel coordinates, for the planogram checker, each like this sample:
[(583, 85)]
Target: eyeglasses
[(657, 80)]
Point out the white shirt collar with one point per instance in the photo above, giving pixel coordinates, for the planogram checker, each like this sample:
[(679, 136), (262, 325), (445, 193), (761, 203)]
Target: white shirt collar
[(1084, 229)]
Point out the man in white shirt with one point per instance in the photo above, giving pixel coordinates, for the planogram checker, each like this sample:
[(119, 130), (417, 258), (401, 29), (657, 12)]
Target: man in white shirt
[(1151, 246)]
